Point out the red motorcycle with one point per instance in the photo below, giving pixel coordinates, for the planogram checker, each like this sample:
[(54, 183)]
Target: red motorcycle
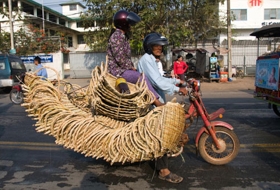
[(215, 141), (16, 94)]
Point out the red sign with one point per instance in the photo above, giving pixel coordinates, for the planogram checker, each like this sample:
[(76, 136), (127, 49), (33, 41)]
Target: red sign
[(255, 3)]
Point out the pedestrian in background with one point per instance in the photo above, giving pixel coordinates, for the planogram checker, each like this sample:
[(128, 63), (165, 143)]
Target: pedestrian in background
[(41, 71), (180, 67)]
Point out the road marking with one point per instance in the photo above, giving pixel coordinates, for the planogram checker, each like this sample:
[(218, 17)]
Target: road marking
[(29, 145), (264, 147)]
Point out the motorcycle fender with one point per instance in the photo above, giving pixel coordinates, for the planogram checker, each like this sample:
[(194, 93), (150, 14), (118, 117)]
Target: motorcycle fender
[(214, 124), (17, 87)]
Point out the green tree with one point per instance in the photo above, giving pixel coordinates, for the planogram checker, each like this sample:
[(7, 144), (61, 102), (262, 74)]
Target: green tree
[(179, 20), (5, 44), (30, 39)]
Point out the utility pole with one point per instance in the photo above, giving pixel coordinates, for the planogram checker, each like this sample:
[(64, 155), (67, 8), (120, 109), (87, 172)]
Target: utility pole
[(43, 15), (11, 28), (229, 39)]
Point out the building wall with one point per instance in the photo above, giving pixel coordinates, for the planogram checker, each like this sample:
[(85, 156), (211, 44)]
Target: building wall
[(72, 14), (82, 64), (57, 71), (255, 17)]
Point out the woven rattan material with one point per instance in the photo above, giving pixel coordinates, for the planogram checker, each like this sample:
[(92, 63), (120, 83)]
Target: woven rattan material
[(146, 138), (106, 100)]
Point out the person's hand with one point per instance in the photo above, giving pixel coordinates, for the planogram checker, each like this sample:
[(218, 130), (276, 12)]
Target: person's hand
[(133, 69), (183, 83), (183, 91)]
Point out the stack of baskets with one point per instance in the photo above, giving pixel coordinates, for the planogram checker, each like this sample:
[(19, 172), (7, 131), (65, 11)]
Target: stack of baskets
[(106, 100), (146, 138)]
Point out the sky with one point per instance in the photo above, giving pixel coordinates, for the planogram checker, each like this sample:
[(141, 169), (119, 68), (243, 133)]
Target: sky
[(54, 4)]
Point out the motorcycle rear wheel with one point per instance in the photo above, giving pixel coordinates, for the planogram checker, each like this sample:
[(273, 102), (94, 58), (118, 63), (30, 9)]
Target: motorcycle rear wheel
[(276, 110), (229, 147), (16, 96)]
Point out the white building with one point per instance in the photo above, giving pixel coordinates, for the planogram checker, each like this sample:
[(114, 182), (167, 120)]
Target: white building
[(52, 21), (250, 15)]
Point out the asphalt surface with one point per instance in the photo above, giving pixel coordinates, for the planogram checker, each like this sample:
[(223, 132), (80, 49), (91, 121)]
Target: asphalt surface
[(32, 160)]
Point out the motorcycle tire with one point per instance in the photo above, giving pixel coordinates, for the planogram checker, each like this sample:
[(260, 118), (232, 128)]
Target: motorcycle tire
[(229, 146), (276, 110), (16, 96)]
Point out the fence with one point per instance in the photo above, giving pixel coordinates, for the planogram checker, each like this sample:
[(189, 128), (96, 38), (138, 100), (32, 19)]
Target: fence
[(245, 53)]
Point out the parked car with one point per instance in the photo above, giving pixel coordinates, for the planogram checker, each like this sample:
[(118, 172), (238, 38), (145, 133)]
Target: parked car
[(10, 67)]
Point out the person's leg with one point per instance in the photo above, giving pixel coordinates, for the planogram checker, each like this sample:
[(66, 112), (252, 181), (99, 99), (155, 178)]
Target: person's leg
[(133, 76), (162, 165), (164, 172), (181, 76)]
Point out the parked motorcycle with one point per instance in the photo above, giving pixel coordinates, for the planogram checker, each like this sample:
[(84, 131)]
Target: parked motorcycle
[(215, 141), (16, 94)]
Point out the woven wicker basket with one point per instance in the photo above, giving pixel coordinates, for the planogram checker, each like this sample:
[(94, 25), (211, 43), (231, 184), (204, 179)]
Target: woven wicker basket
[(146, 138), (106, 100)]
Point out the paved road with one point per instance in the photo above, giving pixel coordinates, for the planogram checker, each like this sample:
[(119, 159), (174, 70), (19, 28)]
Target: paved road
[(31, 160)]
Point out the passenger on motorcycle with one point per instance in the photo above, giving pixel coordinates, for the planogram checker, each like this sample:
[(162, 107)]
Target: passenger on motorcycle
[(119, 52)]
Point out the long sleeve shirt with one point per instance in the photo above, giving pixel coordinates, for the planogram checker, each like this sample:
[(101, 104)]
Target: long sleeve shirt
[(119, 54), (42, 72), (148, 65), (180, 67)]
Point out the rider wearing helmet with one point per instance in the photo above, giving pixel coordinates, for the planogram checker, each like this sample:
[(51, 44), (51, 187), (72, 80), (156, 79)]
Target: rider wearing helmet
[(119, 53), (153, 46), (123, 20)]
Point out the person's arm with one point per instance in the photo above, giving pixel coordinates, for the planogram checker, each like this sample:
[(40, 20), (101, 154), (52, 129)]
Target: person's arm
[(38, 70), (44, 73), (151, 72), (185, 66), (121, 51)]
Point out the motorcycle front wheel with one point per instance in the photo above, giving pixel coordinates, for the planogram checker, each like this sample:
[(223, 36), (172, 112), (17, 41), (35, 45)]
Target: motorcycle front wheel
[(16, 96), (276, 109), (229, 146)]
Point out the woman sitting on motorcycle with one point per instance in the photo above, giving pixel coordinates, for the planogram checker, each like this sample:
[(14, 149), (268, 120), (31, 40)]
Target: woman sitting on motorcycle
[(119, 52)]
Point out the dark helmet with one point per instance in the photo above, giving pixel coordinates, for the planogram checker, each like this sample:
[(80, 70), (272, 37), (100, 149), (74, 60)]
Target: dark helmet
[(153, 39), (123, 19)]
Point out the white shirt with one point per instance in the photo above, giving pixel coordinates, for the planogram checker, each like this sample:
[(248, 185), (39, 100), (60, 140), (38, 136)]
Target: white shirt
[(160, 69)]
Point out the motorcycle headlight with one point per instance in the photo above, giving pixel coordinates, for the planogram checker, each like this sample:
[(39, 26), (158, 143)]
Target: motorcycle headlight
[(196, 85)]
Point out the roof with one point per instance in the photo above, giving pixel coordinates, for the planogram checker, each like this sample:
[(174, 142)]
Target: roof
[(50, 24), (73, 3), (38, 5), (272, 30)]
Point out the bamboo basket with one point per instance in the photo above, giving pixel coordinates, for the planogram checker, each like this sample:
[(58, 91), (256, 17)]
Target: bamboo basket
[(106, 100), (147, 137)]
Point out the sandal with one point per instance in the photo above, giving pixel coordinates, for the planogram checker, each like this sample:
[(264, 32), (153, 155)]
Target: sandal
[(172, 178)]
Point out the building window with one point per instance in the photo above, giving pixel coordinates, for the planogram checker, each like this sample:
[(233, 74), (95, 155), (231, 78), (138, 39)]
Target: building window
[(73, 7), (70, 42), (80, 25), (239, 14), (271, 14), (81, 39), (65, 57)]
